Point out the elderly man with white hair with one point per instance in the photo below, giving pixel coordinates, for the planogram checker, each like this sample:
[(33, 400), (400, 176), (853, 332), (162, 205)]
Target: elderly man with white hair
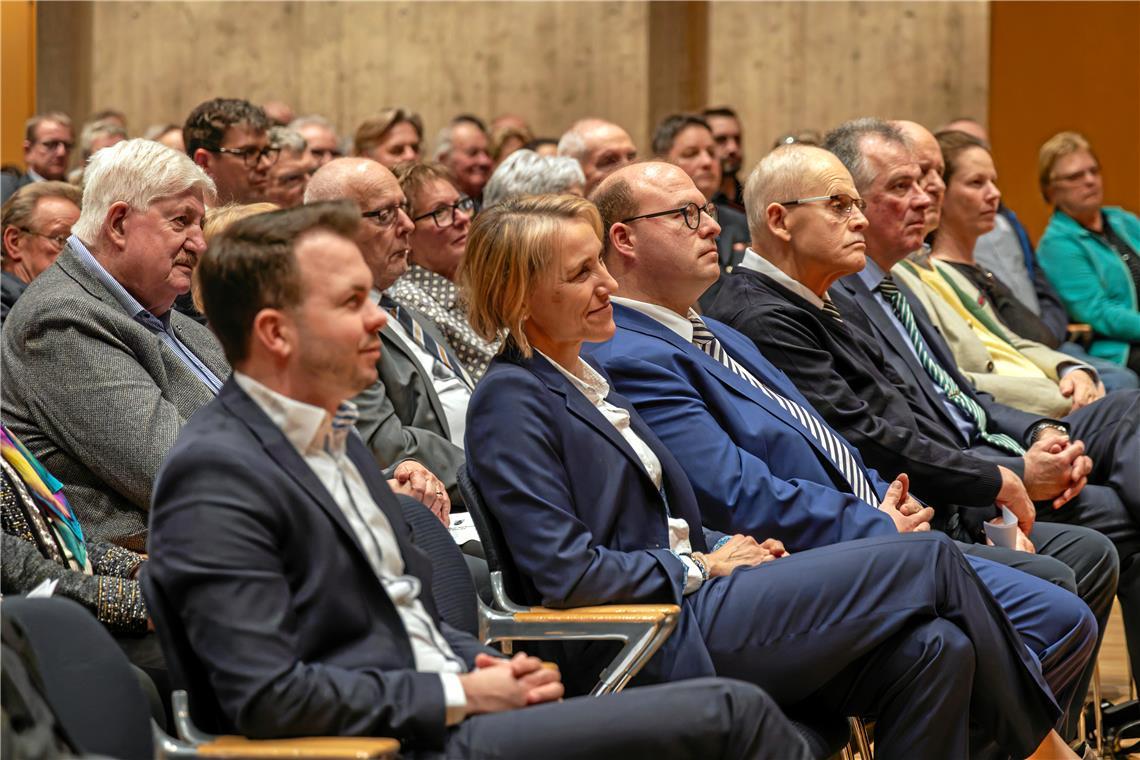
[(289, 176), (525, 172), (462, 146), (99, 372)]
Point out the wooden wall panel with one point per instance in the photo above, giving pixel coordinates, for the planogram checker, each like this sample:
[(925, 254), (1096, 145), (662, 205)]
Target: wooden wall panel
[(787, 66), (551, 61), (18, 72), (1060, 66)]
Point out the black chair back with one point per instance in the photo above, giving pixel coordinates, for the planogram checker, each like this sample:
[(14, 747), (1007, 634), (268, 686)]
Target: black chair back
[(452, 588), (491, 536), (88, 681), (186, 671)]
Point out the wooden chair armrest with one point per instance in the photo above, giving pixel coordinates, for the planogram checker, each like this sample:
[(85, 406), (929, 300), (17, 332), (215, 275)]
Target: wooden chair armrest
[(303, 748), (608, 613), (1079, 328)]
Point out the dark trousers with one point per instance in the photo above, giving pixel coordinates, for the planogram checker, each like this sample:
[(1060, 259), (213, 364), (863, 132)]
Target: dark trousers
[(700, 718), (1075, 558), (901, 628)]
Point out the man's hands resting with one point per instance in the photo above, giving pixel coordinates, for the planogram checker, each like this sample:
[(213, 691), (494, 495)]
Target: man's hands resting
[(496, 684), (908, 514), (413, 479), (740, 551), (1056, 468)]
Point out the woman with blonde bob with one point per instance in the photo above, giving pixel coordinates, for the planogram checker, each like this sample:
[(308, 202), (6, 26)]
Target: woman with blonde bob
[(594, 510)]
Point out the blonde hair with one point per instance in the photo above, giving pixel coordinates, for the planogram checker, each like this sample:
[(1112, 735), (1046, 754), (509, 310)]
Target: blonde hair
[(217, 221), (1055, 148), (509, 247)]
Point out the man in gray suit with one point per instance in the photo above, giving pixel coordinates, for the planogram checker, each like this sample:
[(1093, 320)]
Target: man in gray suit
[(99, 373), (418, 407)]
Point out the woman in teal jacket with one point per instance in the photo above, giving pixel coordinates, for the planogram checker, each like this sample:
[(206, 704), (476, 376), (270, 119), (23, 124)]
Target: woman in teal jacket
[(1091, 254)]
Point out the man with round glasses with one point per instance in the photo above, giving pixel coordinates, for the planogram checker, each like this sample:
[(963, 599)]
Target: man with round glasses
[(229, 139), (417, 408), (687, 141)]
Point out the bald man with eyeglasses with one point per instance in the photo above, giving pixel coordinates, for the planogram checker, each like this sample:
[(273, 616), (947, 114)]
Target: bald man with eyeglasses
[(417, 409)]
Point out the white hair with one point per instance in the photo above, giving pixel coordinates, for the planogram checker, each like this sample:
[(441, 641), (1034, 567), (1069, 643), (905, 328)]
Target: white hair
[(573, 140), (311, 120), (287, 139), (136, 172), (524, 172), (95, 129)]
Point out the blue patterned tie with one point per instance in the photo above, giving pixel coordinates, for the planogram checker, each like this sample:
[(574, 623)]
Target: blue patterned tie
[(425, 341), (901, 307), (704, 339)]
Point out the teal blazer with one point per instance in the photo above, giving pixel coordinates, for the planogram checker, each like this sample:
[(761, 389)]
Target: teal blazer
[(1095, 285)]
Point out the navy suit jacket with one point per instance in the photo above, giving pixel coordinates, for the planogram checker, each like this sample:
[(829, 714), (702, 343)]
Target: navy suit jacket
[(583, 520), (755, 469), (277, 598), (869, 317)]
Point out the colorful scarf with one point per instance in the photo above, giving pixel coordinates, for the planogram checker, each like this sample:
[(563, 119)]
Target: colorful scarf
[(47, 493)]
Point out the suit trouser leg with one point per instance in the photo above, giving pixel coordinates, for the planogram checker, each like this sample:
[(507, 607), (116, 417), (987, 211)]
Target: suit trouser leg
[(1110, 429), (1100, 509), (796, 624), (1078, 559), (701, 718)]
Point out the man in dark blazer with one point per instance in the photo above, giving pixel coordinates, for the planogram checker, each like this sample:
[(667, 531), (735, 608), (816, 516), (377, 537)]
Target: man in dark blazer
[(417, 407), (760, 458), (1107, 427), (780, 301), (99, 373), (48, 141), (296, 579)]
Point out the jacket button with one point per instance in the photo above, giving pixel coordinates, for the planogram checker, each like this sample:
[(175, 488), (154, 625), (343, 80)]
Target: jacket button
[(989, 366)]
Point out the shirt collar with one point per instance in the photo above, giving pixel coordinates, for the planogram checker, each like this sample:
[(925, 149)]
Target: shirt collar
[(667, 317), (758, 263), (871, 274), (309, 428), (129, 303), (438, 287), (592, 385)]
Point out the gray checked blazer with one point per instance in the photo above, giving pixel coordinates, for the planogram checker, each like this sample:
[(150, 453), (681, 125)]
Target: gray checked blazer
[(96, 396), (401, 416)]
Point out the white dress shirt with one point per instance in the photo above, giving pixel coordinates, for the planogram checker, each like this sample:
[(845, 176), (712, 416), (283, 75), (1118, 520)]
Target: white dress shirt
[(320, 440), (595, 388)]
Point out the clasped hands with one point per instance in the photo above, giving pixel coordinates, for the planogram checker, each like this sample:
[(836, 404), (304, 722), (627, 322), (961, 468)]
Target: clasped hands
[(498, 684), (413, 479)]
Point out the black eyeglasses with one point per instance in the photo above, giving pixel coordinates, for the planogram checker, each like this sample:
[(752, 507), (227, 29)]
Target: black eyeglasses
[(841, 204), (691, 212), (444, 216), (57, 240), (252, 156), (53, 145), (386, 217)]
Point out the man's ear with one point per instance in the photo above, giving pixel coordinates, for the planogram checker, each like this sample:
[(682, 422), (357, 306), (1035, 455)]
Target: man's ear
[(621, 239), (114, 224), (776, 217), (201, 157), (11, 239), (274, 331)]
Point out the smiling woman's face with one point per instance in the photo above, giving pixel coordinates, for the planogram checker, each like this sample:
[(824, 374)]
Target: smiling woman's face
[(569, 303)]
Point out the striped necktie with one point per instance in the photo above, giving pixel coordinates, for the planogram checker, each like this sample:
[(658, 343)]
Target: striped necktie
[(425, 341), (857, 479), (901, 307), (829, 308)]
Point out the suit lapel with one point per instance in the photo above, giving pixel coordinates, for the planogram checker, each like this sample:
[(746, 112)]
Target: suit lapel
[(398, 343), (578, 405), (281, 451)]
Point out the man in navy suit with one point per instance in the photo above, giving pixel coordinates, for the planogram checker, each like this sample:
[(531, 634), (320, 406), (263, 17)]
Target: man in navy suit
[(760, 459), (285, 554)]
